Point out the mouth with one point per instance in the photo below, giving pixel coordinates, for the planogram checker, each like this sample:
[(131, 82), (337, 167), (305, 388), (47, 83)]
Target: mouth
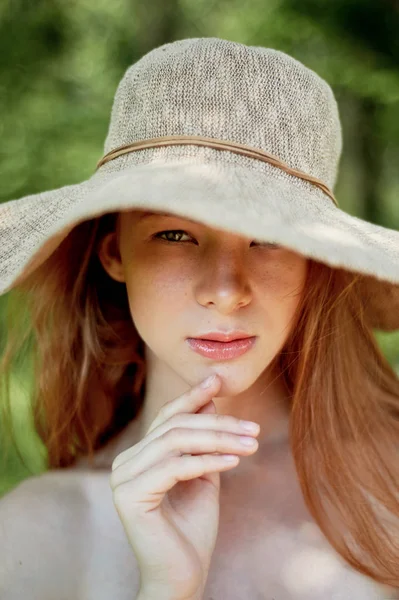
[(220, 350)]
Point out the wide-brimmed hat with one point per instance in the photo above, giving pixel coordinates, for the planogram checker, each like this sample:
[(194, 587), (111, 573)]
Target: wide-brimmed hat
[(243, 138)]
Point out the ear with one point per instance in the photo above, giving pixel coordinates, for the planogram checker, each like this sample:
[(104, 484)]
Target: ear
[(110, 258)]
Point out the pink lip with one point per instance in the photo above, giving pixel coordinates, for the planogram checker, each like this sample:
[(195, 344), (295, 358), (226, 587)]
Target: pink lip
[(220, 336), (221, 350)]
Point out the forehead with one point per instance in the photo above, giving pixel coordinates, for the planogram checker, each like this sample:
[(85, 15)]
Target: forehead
[(137, 216), (142, 215)]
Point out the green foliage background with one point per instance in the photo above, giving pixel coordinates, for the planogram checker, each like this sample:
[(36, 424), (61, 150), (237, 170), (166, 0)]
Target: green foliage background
[(60, 63)]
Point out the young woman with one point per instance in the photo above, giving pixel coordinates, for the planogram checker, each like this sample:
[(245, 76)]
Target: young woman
[(208, 243)]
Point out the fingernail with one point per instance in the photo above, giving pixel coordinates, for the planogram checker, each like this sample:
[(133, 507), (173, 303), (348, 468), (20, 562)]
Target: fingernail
[(249, 426), (208, 381)]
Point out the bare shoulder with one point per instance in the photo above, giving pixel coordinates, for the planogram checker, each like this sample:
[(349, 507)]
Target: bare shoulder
[(61, 537), (42, 521)]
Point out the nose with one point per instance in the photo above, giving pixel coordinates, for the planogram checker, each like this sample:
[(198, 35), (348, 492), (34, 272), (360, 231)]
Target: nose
[(223, 281)]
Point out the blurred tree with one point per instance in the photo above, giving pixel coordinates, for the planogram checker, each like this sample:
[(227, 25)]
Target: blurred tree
[(370, 33)]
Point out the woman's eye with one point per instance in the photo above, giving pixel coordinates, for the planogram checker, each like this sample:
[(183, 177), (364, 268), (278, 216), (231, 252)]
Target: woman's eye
[(180, 232), (270, 245), (172, 231)]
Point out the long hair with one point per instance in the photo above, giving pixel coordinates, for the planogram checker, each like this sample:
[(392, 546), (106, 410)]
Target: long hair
[(89, 383)]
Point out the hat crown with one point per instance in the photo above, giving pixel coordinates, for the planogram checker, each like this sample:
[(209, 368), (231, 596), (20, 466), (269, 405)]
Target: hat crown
[(226, 90)]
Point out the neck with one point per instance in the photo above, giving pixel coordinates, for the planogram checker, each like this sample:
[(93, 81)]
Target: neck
[(266, 402)]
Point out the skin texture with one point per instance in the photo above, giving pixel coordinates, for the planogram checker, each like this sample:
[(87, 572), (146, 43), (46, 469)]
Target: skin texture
[(196, 279)]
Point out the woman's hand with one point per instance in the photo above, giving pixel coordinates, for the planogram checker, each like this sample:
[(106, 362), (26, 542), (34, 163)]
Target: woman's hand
[(166, 492)]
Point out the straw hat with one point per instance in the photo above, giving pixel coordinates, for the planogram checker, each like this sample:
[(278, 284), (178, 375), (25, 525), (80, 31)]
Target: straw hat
[(238, 137)]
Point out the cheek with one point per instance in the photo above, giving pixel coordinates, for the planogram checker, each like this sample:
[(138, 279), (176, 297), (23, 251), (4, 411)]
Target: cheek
[(282, 288), (156, 290), (284, 274)]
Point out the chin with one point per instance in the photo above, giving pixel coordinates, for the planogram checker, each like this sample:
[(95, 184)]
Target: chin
[(233, 383), (237, 379)]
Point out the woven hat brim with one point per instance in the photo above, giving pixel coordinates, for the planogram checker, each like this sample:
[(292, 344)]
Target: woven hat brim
[(278, 208)]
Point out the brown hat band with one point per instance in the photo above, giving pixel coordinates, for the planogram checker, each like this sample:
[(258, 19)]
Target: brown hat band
[(218, 145)]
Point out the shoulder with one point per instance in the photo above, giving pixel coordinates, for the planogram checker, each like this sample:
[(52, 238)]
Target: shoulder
[(42, 521), (55, 495)]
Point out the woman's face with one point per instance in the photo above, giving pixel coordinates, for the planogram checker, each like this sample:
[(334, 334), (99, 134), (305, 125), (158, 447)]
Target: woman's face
[(184, 279)]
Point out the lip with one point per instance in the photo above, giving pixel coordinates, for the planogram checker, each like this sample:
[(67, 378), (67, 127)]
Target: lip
[(221, 350), (220, 336)]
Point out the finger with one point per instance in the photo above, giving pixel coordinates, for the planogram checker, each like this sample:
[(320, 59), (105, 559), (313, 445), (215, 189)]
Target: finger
[(208, 408), (146, 492), (179, 441), (206, 419), (190, 401)]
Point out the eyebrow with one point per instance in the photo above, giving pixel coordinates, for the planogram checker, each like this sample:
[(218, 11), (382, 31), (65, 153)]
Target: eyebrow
[(155, 214)]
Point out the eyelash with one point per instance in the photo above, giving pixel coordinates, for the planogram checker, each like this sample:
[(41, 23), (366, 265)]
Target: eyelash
[(268, 245)]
